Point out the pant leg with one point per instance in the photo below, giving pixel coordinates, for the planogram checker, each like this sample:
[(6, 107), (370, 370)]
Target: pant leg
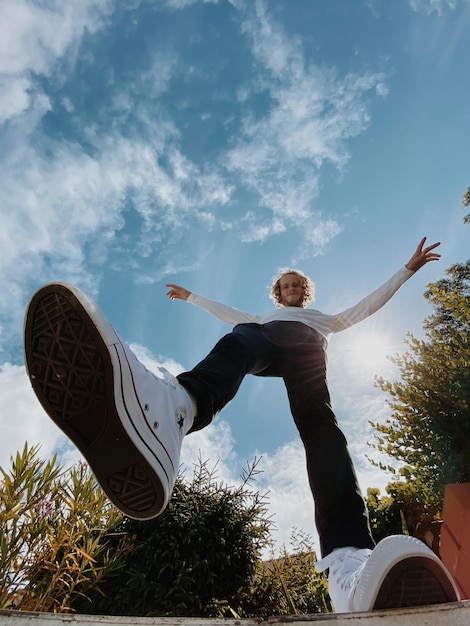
[(296, 353), (340, 512), (216, 379)]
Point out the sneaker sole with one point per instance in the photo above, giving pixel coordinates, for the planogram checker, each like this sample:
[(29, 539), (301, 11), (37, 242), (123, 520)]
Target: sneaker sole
[(72, 373), (415, 581)]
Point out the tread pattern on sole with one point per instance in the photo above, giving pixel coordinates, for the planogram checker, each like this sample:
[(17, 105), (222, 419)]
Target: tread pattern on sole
[(415, 583), (133, 488), (66, 363), (72, 375)]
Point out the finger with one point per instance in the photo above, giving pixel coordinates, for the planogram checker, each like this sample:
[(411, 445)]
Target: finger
[(421, 244), (434, 245)]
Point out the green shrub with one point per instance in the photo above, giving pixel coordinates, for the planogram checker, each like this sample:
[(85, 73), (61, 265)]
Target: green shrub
[(197, 559), (54, 530)]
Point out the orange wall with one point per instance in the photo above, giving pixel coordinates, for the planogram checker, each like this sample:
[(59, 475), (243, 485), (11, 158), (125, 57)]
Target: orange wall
[(455, 535)]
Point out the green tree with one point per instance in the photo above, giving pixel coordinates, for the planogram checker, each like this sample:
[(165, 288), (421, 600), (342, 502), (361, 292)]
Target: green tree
[(429, 426), (466, 202), (403, 511), (384, 514), (54, 531), (197, 559)]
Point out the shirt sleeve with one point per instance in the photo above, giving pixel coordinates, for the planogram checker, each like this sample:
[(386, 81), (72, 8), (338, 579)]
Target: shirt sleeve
[(371, 303), (224, 312)]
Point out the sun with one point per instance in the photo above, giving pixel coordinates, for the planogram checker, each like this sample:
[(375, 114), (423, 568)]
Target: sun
[(369, 350)]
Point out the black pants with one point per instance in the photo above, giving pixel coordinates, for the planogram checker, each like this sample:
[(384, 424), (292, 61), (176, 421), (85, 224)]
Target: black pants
[(296, 353)]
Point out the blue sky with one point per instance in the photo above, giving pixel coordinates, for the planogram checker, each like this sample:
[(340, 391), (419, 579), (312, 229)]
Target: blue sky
[(209, 143)]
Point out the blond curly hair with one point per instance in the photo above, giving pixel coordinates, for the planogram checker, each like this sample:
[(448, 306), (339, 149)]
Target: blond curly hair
[(307, 284)]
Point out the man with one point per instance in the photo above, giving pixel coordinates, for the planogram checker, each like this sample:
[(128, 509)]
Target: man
[(129, 423)]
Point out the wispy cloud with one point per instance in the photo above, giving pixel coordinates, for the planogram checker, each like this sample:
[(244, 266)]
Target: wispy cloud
[(435, 6), (33, 38), (439, 7), (22, 418), (182, 4), (312, 113), (62, 214), (68, 200)]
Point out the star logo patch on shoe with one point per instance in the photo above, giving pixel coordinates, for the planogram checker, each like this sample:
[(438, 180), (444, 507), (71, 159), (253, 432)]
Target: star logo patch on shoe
[(180, 414)]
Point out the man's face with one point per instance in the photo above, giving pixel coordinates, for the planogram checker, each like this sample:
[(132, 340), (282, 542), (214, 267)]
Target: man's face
[(292, 292)]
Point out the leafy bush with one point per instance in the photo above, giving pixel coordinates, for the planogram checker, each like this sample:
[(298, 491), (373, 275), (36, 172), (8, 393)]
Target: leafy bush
[(197, 559), (65, 547), (54, 530), (288, 584), (202, 558)]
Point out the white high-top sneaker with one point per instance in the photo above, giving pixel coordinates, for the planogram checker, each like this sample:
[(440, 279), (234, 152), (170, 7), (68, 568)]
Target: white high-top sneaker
[(127, 422), (401, 571)]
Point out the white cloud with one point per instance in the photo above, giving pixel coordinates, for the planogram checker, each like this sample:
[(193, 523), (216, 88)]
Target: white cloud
[(420, 6), (34, 37), (284, 478), (49, 210), (153, 364), (182, 4), (311, 115), (53, 207), (58, 199), (22, 418), (216, 445), (318, 232), (14, 96), (434, 6)]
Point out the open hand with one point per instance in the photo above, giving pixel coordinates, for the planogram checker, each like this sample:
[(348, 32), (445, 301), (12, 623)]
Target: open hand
[(423, 255)]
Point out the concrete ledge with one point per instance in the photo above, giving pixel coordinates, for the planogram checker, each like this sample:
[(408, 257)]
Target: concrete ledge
[(456, 614)]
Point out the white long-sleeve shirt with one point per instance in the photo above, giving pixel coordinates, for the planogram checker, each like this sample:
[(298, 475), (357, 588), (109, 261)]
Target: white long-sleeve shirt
[(325, 324)]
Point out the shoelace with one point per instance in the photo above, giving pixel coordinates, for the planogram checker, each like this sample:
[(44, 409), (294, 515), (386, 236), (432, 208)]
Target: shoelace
[(168, 377), (345, 565)]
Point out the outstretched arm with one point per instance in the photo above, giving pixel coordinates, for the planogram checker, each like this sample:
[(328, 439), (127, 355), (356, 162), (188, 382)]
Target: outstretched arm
[(222, 311), (177, 293), (374, 301), (423, 255)]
